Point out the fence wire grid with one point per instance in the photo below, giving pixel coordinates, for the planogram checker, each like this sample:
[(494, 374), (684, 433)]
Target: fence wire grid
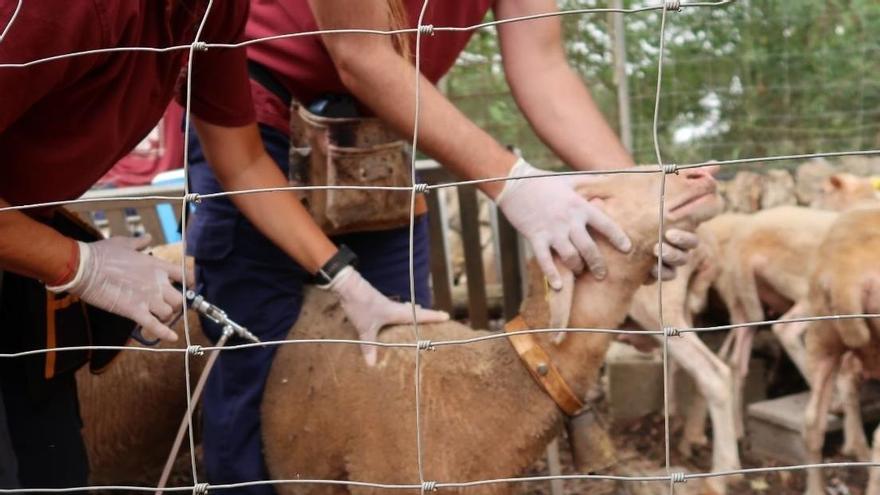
[(418, 345)]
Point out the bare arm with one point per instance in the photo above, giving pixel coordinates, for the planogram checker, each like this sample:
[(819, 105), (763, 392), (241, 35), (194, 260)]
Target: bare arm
[(384, 81), (29, 248), (552, 96), (239, 161)]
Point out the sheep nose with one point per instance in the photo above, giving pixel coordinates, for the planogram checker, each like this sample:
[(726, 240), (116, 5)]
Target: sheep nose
[(702, 173)]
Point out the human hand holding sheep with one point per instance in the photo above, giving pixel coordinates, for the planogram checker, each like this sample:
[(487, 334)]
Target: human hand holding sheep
[(368, 310), (550, 214)]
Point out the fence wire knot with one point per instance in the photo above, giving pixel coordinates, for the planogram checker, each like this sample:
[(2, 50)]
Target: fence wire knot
[(671, 331), (200, 489), (425, 345), (192, 198), (427, 29), (429, 486), (200, 46), (677, 478), (421, 188), (672, 5), (195, 350), (670, 168)]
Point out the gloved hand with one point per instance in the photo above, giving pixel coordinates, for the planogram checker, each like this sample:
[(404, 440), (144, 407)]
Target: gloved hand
[(369, 310), (114, 276), (550, 214), (676, 250)]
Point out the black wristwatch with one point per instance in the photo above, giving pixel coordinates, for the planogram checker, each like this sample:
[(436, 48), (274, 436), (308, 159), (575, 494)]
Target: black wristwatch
[(344, 257)]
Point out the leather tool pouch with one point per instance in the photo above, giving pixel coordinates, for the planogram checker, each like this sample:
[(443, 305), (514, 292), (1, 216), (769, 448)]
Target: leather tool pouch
[(33, 318), (328, 151)]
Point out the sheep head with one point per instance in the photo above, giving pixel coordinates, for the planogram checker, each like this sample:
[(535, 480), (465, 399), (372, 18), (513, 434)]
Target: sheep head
[(633, 200), (842, 191)]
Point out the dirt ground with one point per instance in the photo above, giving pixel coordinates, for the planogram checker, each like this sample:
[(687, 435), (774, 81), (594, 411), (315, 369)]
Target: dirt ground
[(640, 451)]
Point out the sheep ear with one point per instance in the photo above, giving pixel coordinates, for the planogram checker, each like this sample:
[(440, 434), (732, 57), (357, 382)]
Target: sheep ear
[(835, 182), (560, 302)]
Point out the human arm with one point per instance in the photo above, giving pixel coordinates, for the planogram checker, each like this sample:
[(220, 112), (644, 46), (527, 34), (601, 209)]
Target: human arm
[(383, 80), (552, 96), (239, 161), (30, 248), (560, 109), (110, 274), (550, 215)]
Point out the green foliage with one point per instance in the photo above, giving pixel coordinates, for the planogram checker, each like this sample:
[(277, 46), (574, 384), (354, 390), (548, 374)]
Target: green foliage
[(754, 78)]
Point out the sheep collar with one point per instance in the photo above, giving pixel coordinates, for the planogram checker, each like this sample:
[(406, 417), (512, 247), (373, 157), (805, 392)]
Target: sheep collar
[(542, 369)]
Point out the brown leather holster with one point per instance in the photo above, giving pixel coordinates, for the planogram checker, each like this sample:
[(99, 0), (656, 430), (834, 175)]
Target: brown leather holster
[(327, 151)]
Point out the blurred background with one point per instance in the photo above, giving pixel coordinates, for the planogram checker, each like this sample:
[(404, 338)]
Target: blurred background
[(754, 78)]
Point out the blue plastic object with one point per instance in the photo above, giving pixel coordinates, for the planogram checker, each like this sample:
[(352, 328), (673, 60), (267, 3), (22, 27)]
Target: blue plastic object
[(165, 212)]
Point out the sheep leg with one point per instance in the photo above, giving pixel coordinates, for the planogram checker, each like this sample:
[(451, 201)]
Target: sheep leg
[(704, 276), (694, 425), (874, 473), (715, 382), (855, 443), (674, 377), (816, 421), (739, 365), (790, 335), (724, 352)]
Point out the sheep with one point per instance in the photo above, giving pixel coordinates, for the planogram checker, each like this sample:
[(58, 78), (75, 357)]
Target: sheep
[(768, 257), (847, 281), (686, 296), (132, 410), (683, 297), (843, 191), (326, 415)]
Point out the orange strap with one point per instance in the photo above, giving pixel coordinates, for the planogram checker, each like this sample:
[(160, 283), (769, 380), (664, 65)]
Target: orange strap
[(542, 369), (52, 305)]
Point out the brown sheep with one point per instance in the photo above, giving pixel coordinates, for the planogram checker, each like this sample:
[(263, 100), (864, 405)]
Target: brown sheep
[(326, 415), (847, 281)]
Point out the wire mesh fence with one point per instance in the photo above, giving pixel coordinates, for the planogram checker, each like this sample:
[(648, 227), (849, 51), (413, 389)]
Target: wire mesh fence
[(683, 122)]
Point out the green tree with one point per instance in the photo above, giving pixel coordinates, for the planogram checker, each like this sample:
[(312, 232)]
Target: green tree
[(753, 78)]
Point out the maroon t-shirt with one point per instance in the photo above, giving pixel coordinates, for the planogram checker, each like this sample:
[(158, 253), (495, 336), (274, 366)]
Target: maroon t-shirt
[(304, 67), (159, 151), (63, 124)]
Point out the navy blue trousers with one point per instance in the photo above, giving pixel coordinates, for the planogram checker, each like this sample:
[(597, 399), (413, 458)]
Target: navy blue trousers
[(259, 286)]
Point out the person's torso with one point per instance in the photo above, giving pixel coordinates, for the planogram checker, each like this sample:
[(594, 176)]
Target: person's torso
[(104, 104), (159, 151), (304, 67)]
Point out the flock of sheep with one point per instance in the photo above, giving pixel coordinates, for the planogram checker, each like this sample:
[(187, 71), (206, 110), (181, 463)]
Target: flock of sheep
[(326, 415)]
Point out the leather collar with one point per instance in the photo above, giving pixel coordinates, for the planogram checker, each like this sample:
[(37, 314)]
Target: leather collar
[(541, 367)]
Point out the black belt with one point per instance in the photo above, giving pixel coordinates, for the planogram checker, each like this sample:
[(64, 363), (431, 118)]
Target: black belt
[(266, 79)]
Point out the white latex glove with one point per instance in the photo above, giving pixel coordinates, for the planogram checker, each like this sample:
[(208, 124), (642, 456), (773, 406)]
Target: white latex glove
[(550, 214), (676, 251), (369, 310), (113, 275)]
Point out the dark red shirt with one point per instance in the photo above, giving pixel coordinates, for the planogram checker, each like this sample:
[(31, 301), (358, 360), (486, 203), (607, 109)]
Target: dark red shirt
[(305, 68), (63, 124), (160, 151)]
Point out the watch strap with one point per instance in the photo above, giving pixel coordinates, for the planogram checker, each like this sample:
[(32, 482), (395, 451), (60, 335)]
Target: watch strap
[(344, 257)]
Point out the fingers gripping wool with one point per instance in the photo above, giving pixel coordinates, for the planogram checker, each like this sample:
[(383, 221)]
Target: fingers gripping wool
[(418, 345)]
